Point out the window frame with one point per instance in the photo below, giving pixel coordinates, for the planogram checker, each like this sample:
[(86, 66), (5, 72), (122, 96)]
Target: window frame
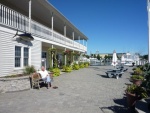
[(19, 56), (25, 57)]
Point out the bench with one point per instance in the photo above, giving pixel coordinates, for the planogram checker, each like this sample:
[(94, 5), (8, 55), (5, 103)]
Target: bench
[(36, 80), (114, 73)]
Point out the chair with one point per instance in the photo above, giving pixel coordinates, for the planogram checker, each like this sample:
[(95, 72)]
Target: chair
[(36, 80)]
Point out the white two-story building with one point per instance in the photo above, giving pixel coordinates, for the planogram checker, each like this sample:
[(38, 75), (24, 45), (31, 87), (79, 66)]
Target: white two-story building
[(48, 27)]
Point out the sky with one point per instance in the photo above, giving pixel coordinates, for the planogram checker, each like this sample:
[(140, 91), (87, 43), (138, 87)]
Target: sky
[(120, 25)]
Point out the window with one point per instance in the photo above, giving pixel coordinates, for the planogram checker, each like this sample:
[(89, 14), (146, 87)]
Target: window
[(17, 56), (43, 54), (26, 56)]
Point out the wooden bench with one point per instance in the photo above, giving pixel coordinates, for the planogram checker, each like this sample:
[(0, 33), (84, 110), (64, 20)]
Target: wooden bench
[(36, 80)]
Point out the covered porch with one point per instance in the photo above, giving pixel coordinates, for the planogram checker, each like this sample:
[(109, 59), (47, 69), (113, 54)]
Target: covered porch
[(57, 56)]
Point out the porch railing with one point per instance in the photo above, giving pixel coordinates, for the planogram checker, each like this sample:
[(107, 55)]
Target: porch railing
[(18, 21)]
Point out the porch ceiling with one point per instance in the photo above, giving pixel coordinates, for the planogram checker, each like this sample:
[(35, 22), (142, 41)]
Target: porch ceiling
[(41, 12)]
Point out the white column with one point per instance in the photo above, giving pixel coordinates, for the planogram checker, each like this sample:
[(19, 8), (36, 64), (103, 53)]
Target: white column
[(83, 43), (148, 9), (73, 56), (29, 16), (52, 56), (65, 30), (79, 41), (86, 43), (52, 22), (73, 37), (65, 57)]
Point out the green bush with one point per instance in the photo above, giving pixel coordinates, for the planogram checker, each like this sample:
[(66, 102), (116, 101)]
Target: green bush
[(56, 71), (137, 77), (75, 66), (29, 70), (81, 65), (67, 68), (138, 71), (138, 90), (86, 64)]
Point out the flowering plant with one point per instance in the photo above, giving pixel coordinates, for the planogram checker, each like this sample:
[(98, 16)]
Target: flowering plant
[(66, 52)]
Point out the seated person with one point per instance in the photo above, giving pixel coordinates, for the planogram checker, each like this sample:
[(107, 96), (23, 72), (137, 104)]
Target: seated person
[(45, 76)]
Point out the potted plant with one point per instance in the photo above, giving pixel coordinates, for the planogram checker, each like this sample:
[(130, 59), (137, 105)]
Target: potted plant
[(134, 93), (55, 71), (75, 66), (67, 68), (137, 79), (66, 52), (138, 71)]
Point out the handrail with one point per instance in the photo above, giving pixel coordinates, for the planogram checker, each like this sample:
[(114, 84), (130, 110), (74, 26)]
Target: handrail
[(19, 21)]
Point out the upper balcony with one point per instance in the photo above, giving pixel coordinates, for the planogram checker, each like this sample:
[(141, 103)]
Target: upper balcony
[(16, 20)]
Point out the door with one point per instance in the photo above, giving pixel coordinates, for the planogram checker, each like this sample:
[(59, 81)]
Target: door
[(44, 55)]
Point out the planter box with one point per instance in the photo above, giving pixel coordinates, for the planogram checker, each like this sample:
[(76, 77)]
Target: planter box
[(14, 84)]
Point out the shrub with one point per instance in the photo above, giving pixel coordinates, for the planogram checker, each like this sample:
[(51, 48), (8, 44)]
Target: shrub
[(137, 71), (81, 65), (138, 90), (75, 66), (137, 77), (86, 64), (67, 68), (56, 71), (29, 70)]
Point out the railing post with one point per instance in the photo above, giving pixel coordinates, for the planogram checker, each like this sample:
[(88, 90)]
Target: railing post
[(65, 32), (79, 41), (83, 44), (29, 16), (52, 22), (73, 37)]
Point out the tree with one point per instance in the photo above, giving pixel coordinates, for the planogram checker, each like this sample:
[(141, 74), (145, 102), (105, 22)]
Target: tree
[(145, 57), (87, 56), (94, 55), (105, 57), (98, 57)]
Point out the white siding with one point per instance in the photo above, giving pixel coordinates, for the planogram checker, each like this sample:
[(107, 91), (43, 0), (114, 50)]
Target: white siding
[(36, 54), (7, 53), (0, 54)]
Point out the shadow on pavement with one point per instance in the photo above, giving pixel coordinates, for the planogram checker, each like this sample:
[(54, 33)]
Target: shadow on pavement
[(117, 109), (121, 101), (104, 76), (121, 108), (114, 109), (143, 105)]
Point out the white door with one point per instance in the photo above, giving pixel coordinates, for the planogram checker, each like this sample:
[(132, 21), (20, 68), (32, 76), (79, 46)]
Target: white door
[(44, 55)]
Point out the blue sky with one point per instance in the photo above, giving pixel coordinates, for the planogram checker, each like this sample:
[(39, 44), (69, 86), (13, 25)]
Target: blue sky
[(120, 25)]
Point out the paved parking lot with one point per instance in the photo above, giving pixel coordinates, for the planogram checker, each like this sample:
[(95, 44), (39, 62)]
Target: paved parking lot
[(87, 90)]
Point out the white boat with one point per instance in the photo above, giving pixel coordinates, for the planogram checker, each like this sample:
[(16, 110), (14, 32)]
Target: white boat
[(128, 63), (94, 62)]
